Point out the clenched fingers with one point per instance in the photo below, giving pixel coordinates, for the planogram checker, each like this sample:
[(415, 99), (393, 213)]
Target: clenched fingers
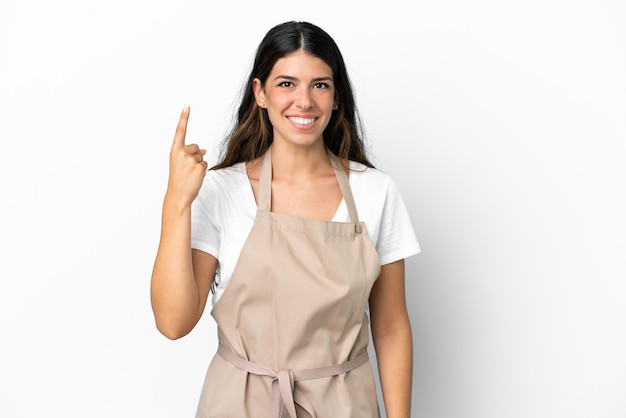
[(191, 150)]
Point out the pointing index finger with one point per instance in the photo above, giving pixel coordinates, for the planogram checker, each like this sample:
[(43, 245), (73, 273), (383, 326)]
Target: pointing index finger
[(181, 129)]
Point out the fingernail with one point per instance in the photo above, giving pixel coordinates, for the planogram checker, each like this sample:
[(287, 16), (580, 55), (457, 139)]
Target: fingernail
[(185, 108)]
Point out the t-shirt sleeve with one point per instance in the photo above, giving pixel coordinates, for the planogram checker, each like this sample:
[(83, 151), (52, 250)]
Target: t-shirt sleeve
[(205, 215), (396, 237)]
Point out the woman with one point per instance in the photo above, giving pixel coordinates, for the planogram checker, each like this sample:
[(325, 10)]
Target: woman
[(297, 235)]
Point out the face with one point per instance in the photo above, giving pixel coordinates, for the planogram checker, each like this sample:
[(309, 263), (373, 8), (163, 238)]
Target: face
[(299, 96)]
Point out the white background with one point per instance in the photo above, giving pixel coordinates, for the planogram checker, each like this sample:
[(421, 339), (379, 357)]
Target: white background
[(503, 123)]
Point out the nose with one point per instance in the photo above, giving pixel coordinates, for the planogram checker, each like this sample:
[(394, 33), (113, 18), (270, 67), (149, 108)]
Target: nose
[(304, 100)]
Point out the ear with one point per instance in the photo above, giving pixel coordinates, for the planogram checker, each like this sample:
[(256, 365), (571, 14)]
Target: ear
[(336, 102), (259, 94)]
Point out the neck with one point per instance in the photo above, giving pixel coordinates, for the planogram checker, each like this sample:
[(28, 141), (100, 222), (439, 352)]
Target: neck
[(292, 163)]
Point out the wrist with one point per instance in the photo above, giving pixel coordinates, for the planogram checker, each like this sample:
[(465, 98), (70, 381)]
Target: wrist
[(174, 204)]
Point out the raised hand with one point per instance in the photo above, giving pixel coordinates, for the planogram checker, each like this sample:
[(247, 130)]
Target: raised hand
[(187, 165)]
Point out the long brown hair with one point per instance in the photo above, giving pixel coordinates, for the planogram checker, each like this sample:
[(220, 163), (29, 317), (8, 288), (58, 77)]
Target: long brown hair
[(252, 131)]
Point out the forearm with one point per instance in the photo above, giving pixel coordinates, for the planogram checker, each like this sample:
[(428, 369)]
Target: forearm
[(174, 292), (394, 352)]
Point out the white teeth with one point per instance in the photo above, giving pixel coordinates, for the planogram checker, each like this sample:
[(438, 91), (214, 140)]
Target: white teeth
[(303, 121)]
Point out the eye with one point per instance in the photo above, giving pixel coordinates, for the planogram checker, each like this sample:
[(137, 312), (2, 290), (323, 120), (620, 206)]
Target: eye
[(285, 84), (321, 85)]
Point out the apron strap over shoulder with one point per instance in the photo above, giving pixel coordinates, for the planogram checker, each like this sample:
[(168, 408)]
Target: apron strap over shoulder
[(284, 392), (265, 182), (344, 185)]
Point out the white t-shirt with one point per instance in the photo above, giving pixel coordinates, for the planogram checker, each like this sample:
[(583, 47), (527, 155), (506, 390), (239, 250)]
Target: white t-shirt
[(223, 214)]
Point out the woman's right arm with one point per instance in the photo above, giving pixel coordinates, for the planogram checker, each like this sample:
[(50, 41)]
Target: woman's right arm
[(181, 277)]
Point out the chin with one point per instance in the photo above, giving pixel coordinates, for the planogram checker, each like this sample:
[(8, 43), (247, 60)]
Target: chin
[(302, 140)]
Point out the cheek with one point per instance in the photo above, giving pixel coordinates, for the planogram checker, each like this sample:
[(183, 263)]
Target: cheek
[(274, 115), (325, 99), (277, 104)]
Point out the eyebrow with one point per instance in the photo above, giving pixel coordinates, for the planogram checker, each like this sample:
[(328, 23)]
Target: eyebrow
[(315, 80)]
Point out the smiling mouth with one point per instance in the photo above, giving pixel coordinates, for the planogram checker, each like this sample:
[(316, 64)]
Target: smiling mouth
[(302, 121)]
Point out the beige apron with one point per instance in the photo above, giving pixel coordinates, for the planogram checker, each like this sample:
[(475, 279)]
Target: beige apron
[(292, 327)]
